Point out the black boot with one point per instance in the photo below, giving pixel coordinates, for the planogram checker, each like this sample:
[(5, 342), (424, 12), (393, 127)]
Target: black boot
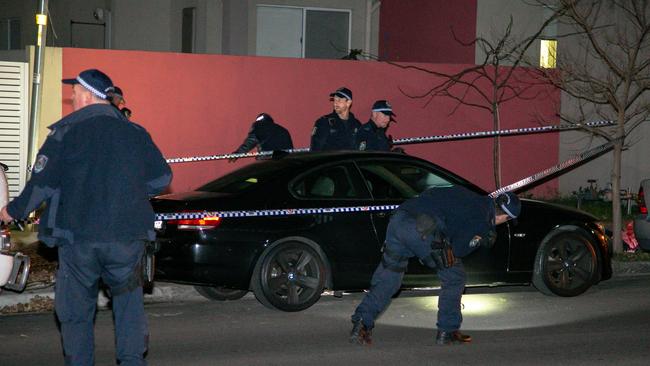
[(360, 334), (444, 338)]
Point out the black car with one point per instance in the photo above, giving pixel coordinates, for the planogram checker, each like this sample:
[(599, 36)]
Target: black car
[(290, 227)]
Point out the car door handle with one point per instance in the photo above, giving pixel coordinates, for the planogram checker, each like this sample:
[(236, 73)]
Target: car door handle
[(381, 214)]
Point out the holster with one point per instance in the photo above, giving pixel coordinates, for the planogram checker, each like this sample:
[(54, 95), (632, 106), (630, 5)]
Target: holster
[(442, 253), (149, 261)]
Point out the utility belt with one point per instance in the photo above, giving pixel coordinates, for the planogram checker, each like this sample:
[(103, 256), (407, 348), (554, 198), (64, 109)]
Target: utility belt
[(442, 253)]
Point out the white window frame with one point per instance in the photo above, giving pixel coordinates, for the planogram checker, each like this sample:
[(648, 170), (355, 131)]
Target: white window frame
[(304, 23)]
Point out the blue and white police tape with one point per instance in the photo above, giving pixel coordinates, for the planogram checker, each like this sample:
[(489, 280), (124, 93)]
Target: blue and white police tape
[(563, 166), (265, 213), (577, 159), (414, 140), (508, 132)]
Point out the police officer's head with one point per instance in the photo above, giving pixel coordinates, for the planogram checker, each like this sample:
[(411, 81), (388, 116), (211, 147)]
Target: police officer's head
[(342, 101), (90, 87), (117, 97), (508, 206), (382, 113)]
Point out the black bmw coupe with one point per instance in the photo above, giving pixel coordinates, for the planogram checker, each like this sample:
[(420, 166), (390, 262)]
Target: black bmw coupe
[(290, 227)]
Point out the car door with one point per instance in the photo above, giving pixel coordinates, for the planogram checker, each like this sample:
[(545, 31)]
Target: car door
[(390, 182), (348, 238)]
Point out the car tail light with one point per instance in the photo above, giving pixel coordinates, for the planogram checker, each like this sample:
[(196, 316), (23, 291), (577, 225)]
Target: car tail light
[(205, 223), (641, 201)]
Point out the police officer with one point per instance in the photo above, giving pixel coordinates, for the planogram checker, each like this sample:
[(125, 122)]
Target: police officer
[(96, 172), (337, 130), (266, 135), (116, 98), (440, 227), (372, 135)]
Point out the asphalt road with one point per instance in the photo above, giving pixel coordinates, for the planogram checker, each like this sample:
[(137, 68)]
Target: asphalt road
[(609, 325)]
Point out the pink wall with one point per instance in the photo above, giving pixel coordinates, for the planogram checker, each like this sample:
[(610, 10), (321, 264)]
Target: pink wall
[(421, 30), (204, 104)]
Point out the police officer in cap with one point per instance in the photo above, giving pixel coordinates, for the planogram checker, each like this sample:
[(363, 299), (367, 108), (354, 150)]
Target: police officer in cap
[(337, 130), (96, 172), (116, 98), (440, 227), (266, 135), (372, 135)]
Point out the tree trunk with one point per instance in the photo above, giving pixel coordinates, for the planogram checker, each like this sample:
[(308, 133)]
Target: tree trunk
[(616, 190), (496, 149)]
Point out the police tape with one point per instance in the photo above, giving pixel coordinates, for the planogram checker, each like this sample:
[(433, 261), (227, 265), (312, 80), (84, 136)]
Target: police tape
[(265, 213), (508, 132), (563, 166), (414, 140)]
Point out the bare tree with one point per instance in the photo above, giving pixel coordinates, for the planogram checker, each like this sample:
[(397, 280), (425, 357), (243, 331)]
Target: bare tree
[(491, 83), (607, 73)]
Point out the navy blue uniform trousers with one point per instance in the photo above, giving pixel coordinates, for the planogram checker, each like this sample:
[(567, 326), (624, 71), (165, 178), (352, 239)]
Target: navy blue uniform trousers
[(81, 265), (403, 239)]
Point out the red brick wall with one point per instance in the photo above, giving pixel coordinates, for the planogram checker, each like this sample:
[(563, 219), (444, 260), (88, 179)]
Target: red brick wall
[(204, 105)]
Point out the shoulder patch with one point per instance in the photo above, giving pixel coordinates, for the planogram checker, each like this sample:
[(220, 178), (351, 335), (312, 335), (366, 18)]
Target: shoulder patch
[(41, 161), (362, 145), (52, 132)]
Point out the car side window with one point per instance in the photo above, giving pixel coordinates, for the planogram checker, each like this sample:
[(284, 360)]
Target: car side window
[(327, 183), (397, 180)]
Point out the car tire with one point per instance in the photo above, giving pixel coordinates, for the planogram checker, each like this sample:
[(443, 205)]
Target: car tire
[(566, 263), (220, 293), (291, 276)]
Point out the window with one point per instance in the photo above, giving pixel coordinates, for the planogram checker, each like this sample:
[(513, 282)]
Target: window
[(331, 182), (302, 32), (10, 34), (547, 53), (187, 31), (394, 180)]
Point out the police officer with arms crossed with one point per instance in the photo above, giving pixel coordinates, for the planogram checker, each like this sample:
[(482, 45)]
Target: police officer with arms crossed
[(372, 135), (96, 172), (440, 227), (266, 135), (337, 130)]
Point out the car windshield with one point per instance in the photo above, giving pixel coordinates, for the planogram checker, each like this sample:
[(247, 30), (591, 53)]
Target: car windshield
[(243, 179)]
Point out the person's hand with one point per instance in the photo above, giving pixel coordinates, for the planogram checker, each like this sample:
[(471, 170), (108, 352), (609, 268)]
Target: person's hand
[(232, 160), (4, 216)]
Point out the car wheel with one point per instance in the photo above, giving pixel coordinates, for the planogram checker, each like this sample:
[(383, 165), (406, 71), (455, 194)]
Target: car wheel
[(220, 293), (290, 277), (566, 264)]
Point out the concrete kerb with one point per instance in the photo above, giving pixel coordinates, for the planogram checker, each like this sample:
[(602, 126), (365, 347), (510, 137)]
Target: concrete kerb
[(169, 292)]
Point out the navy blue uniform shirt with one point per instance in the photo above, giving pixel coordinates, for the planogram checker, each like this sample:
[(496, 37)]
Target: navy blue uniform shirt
[(332, 133), (372, 138), (96, 171), (267, 136), (459, 213)]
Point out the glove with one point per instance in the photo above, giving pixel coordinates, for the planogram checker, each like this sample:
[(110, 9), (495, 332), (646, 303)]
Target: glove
[(487, 241)]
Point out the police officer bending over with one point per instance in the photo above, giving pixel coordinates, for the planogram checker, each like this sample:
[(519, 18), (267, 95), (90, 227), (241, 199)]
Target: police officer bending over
[(440, 227), (96, 172), (372, 135), (337, 130), (266, 135)]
